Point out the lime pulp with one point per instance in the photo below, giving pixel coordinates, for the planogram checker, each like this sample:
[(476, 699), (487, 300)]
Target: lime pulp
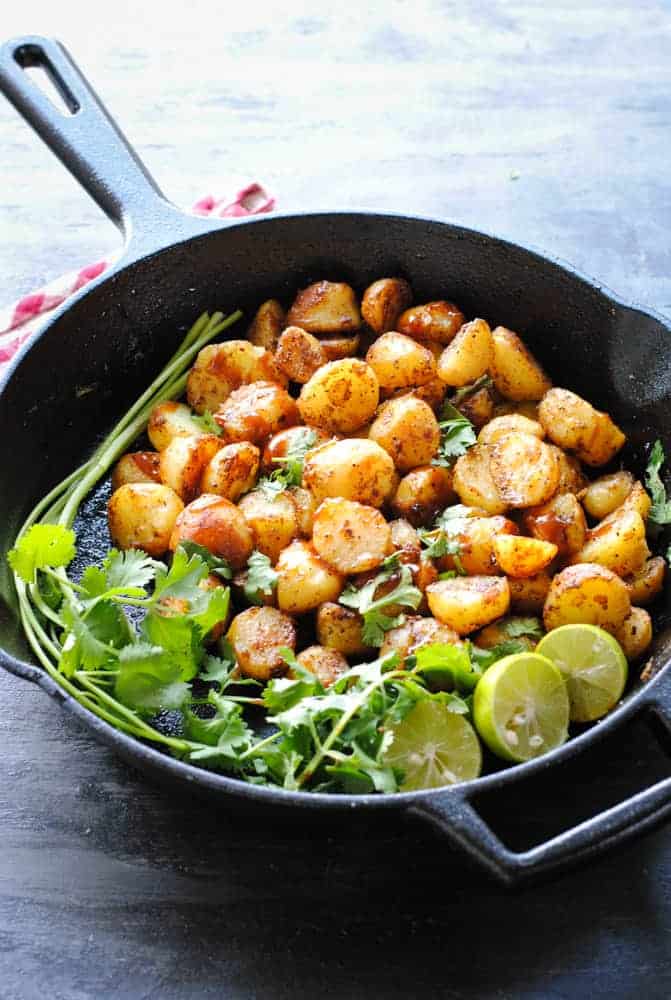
[(593, 665), (434, 747)]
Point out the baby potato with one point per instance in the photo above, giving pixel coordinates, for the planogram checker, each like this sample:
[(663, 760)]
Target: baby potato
[(221, 368), (326, 307), (522, 557), (432, 393), (256, 411), (423, 493), (527, 596), (305, 506), (304, 581), (257, 635), (473, 483), (341, 396), (136, 467), (618, 543), (560, 521), (407, 429), (299, 354), (400, 362), (604, 443), (439, 321), (516, 373), (384, 301), (587, 594), (637, 499), (272, 521), (232, 471), (182, 463), (216, 524), (497, 633), (606, 493), (337, 348), (350, 536), (573, 423), (476, 540), (469, 355), (478, 407), (512, 423), (571, 477), (404, 539), (326, 664), (267, 325), (646, 583), (355, 469), (526, 407), (635, 634), (525, 470), (142, 516), (416, 632), (169, 420), (341, 629), (469, 602), (280, 444)]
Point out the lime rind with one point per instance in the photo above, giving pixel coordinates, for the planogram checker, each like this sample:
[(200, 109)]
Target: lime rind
[(593, 666)]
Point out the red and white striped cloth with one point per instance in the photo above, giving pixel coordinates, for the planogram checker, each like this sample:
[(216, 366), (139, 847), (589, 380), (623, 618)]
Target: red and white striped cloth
[(22, 319)]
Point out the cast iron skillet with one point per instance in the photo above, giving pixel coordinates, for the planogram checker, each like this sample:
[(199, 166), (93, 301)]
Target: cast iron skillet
[(100, 350)]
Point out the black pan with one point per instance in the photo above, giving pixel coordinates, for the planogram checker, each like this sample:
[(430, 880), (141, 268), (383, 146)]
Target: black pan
[(68, 386)]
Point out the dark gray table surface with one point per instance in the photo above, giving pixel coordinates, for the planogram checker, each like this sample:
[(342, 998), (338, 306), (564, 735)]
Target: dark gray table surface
[(547, 123)]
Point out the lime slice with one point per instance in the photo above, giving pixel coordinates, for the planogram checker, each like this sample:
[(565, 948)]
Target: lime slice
[(521, 707), (434, 747), (593, 666)]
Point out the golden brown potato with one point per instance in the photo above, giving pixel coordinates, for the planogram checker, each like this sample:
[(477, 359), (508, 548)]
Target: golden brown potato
[(527, 596), (217, 525), (635, 634), (604, 443), (341, 396), (525, 470), (404, 539), (433, 393), (182, 463), (416, 632), (497, 633), (473, 483), (618, 544), (350, 536), (299, 354), (468, 356), (478, 407), (221, 368), (606, 493), (304, 581), (400, 362), (407, 429), (326, 307), (384, 301), (136, 467), (637, 499), (509, 424), (326, 664), (305, 506), (272, 520), (142, 516), (169, 420), (516, 373), (587, 594), (232, 471), (267, 325), (341, 629), (423, 493), (647, 582), (438, 321), (257, 635), (571, 477), (469, 602), (337, 348), (476, 537), (256, 411), (282, 443), (573, 423), (356, 469), (526, 408), (522, 557), (560, 521)]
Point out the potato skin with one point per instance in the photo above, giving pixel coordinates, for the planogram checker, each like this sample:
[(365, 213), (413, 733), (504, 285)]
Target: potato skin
[(478, 407), (439, 321), (527, 596), (182, 463), (617, 543), (467, 603), (384, 301), (560, 521), (416, 632), (304, 506), (494, 634), (217, 525), (407, 429), (267, 325), (476, 541), (341, 396), (571, 477), (586, 594), (637, 499), (304, 580), (272, 521), (469, 355), (400, 362), (326, 307), (473, 483), (326, 664), (341, 629), (232, 471), (299, 354), (256, 411), (221, 368), (606, 493), (355, 469), (137, 467), (509, 424), (525, 470), (281, 444), (516, 373), (143, 516), (573, 423), (647, 582), (635, 634), (422, 494), (257, 635), (169, 420), (337, 348), (521, 557), (350, 536)]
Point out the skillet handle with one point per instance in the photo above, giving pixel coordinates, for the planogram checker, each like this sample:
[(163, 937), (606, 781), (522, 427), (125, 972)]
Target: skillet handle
[(454, 815), (89, 143)]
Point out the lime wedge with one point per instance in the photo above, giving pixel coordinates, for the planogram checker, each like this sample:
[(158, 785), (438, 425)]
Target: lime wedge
[(434, 747), (593, 665), (521, 707)]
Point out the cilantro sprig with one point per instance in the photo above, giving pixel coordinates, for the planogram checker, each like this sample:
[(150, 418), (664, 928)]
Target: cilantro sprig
[(457, 435), (362, 599), (291, 471), (660, 512)]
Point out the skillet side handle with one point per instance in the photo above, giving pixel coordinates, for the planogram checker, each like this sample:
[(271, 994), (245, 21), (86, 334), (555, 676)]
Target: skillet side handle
[(454, 815), (88, 141)]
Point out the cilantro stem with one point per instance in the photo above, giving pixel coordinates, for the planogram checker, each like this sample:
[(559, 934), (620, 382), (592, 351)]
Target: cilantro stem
[(257, 746), (42, 606)]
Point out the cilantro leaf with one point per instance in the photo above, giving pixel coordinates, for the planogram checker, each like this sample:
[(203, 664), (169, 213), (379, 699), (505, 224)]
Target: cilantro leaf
[(359, 772), (131, 570), (148, 679), (93, 635), (207, 423), (181, 580), (42, 546), (226, 733), (261, 578), (484, 658), (215, 564), (484, 382), (217, 669), (375, 622), (445, 667), (457, 435), (291, 474), (180, 639), (94, 582), (660, 512), (516, 628)]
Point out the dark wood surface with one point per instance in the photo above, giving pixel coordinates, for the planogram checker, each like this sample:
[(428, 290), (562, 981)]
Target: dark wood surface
[(547, 123)]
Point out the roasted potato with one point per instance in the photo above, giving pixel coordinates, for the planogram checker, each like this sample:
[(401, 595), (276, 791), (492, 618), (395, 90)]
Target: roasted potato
[(137, 467), (497, 633), (299, 354), (267, 325), (257, 635), (527, 596), (404, 539), (635, 634), (400, 362), (525, 407), (473, 483), (272, 520), (407, 429), (478, 407), (169, 420), (606, 493), (326, 307), (523, 557), (511, 423), (305, 506), (337, 348), (232, 471), (143, 516), (350, 536), (423, 493), (341, 629), (384, 301), (432, 393), (525, 470), (438, 321), (355, 469), (617, 543), (586, 594), (516, 373), (416, 632), (304, 580), (571, 477), (221, 368), (467, 603), (326, 664), (476, 538), (284, 442), (182, 463), (468, 356), (573, 423), (637, 499), (560, 521), (217, 525), (256, 411), (647, 582), (341, 396)]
